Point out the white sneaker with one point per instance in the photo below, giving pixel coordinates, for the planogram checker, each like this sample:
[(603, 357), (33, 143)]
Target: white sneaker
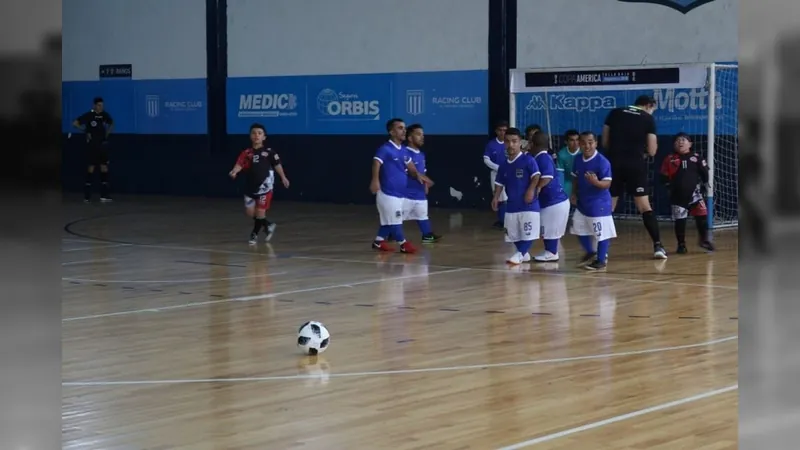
[(526, 257), (270, 231), (546, 257), (515, 259)]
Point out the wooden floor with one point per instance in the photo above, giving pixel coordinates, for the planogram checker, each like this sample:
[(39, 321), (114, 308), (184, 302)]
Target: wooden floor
[(178, 335)]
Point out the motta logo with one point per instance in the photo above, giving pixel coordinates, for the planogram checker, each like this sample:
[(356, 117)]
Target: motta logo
[(682, 6)]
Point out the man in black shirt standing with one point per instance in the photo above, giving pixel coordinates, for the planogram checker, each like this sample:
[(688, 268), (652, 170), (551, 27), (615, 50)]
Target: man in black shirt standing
[(629, 137), (97, 125)]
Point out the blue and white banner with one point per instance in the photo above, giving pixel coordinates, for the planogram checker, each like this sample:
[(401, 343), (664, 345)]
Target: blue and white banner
[(678, 110), (443, 102), (141, 106)]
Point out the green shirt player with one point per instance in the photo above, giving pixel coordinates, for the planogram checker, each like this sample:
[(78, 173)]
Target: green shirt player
[(565, 158)]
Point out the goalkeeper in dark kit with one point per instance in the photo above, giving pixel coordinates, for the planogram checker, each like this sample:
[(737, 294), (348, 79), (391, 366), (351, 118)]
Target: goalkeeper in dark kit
[(685, 173)]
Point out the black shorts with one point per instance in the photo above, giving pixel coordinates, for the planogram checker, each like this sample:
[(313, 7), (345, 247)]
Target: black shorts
[(97, 153), (630, 178)]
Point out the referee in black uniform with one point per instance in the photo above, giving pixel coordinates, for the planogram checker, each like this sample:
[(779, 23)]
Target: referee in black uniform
[(97, 125), (629, 137)]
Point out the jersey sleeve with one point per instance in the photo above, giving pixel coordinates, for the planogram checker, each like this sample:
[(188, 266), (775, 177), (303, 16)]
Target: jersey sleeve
[(274, 159), (702, 169), (107, 117), (244, 159), (610, 117), (546, 167), (668, 169), (534, 167), (500, 178), (380, 155), (604, 174), (650, 124), (83, 119)]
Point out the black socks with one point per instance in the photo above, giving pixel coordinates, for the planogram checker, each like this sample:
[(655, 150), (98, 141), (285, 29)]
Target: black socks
[(680, 231), (104, 189), (651, 224), (87, 186), (702, 227)]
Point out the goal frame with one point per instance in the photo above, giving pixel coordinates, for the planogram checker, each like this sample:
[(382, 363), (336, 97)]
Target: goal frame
[(692, 76)]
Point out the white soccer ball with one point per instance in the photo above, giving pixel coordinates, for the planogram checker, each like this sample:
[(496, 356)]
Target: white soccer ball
[(313, 338)]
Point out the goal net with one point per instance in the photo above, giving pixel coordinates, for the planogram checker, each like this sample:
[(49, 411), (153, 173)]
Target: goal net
[(580, 98)]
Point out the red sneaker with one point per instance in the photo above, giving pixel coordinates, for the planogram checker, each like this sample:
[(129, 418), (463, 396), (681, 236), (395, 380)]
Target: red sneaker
[(407, 248), (382, 246)]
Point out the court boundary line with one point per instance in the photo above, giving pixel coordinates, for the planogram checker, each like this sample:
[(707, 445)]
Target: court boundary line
[(87, 261), (554, 274), (188, 280), (96, 247), (255, 297), (620, 418), (406, 371), (68, 229)]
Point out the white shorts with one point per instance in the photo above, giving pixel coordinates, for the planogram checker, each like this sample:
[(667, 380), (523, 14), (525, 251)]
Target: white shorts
[(601, 227), (390, 209), (522, 226), (415, 209), (503, 196), (554, 220)]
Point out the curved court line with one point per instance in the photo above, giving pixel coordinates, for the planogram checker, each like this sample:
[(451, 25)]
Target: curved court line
[(189, 280), (405, 371)]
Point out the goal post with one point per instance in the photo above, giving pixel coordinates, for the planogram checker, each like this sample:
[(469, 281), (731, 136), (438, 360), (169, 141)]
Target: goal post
[(580, 98)]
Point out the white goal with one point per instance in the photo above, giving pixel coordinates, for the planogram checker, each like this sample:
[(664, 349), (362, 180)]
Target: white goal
[(579, 98)]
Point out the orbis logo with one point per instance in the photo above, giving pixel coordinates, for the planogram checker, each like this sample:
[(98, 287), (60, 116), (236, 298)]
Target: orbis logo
[(334, 105), (572, 103), (267, 105), (680, 100)]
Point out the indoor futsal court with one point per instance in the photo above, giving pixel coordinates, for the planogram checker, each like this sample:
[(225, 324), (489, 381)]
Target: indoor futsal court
[(179, 335)]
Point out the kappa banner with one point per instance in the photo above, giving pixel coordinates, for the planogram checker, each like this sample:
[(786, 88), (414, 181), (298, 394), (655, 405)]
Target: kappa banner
[(444, 102)]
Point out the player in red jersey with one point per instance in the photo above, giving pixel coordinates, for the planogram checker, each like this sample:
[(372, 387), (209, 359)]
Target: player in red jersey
[(684, 172), (260, 164)]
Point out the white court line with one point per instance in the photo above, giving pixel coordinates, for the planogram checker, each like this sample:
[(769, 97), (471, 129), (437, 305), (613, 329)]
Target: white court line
[(81, 241), (407, 371), (568, 275), (256, 297), (188, 280), (96, 247), (616, 419), (87, 261)]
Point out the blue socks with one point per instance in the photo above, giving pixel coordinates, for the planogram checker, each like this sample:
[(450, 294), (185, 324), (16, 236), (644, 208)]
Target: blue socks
[(501, 212), (383, 232), (523, 246), (602, 250), (397, 232), (586, 243), (551, 245), (424, 227)]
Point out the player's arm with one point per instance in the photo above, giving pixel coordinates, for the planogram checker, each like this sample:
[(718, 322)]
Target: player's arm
[(548, 172), (667, 170), (702, 170), (499, 185), (605, 137), (487, 158), (533, 185), (414, 173), (602, 180), (277, 166), (573, 197), (241, 164), (81, 121), (652, 139), (377, 162), (109, 123)]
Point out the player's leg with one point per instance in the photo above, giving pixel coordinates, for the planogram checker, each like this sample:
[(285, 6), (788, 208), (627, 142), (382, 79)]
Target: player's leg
[(105, 188), (501, 205), (618, 182), (250, 210), (87, 185), (637, 188), (262, 206), (394, 207), (582, 227), (385, 212), (604, 230), (679, 215), (554, 223), (700, 213), (514, 229), (420, 214)]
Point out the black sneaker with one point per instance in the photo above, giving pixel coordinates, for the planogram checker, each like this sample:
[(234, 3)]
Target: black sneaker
[(659, 252), (596, 266), (253, 239), (430, 238), (587, 259), (499, 225), (682, 250), (707, 246)]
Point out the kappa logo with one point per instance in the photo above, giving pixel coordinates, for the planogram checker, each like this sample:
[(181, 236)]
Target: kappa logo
[(682, 6)]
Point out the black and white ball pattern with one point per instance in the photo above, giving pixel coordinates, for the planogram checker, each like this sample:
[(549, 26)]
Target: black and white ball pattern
[(313, 338)]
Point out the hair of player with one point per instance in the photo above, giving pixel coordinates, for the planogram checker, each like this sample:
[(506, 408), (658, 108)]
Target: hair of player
[(513, 132), (258, 126), (97, 100), (645, 101), (535, 127), (500, 124), (586, 134), (541, 141), (413, 127), (390, 123), (571, 132), (682, 135)]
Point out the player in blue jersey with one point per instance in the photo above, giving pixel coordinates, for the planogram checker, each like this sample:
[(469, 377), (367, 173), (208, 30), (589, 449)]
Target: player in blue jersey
[(493, 155), (391, 168), (416, 202), (553, 201), (591, 179), (518, 175)]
